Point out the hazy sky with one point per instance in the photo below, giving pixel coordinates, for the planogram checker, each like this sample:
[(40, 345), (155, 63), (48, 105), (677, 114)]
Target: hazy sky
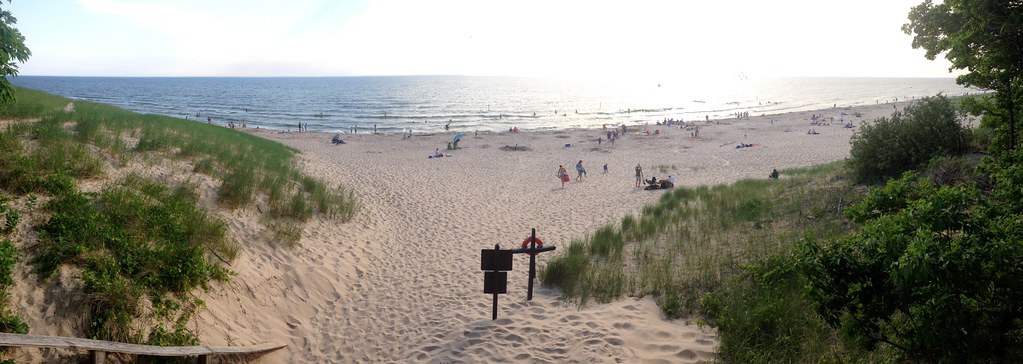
[(626, 38)]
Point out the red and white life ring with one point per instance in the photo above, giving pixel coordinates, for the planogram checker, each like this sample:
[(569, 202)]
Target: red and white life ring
[(525, 243)]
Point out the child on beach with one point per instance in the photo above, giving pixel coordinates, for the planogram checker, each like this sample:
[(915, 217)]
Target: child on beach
[(639, 175)]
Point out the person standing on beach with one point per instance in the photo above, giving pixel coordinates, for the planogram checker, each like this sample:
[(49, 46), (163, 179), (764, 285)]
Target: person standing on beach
[(562, 175), (582, 171), (639, 175)]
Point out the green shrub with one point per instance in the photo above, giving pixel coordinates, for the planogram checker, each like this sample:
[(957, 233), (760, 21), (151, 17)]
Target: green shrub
[(8, 258), (762, 316), (982, 137), (9, 217), (12, 323), (950, 171), (134, 239), (9, 322), (933, 273), (907, 140)]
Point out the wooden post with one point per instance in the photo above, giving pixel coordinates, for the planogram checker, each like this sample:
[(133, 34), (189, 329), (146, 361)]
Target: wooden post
[(204, 359), (97, 357), (532, 265), (494, 316)]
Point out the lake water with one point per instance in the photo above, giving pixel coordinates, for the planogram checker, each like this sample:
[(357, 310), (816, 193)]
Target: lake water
[(428, 103)]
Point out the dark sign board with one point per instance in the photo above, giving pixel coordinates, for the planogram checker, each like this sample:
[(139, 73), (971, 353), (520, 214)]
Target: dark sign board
[(496, 260), (495, 282)]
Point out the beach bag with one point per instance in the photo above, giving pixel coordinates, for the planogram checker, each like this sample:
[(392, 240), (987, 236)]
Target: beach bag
[(564, 178)]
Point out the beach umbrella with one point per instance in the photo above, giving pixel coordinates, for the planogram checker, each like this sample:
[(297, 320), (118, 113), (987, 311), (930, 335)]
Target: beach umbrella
[(458, 136)]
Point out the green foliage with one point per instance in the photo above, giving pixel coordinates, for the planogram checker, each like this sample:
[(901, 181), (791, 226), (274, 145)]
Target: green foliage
[(9, 217), (933, 273), (763, 317), (908, 140), (52, 166), (724, 253), (132, 240), (606, 241), (9, 322), (32, 104), (1007, 172), (983, 38), (12, 323), (12, 48), (956, 171), (179, 335), (8, 258), (566, 270)]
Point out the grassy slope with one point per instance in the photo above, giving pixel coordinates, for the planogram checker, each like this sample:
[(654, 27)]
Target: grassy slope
[(140, 246), (722, 255)]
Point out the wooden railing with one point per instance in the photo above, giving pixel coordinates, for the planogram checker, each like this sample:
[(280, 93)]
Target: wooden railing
[(98, 349)]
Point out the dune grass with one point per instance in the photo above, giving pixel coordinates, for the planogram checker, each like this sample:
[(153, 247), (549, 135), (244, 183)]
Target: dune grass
[(9, 217), (140, 246), (246, 165), (699, 251), (699, 236)]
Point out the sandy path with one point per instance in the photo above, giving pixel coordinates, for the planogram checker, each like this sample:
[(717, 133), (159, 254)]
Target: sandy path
[(402, 281)]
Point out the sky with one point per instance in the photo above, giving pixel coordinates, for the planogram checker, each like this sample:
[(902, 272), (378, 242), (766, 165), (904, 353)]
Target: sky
[(546, 38)]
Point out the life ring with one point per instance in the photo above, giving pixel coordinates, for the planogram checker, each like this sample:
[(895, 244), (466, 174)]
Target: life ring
[(525, 243)]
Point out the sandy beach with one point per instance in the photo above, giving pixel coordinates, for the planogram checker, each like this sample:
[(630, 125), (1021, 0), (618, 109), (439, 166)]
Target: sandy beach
[(402, 281)]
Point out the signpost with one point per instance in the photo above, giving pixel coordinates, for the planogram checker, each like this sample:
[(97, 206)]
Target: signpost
[(496, 263)]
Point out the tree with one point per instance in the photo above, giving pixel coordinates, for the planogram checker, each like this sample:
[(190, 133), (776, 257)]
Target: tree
[(983, 37), (908, 140), (12, 48), (934, 272)]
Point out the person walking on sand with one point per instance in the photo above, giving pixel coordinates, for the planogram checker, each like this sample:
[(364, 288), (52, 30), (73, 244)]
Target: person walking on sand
[(562, 175), (639, 175), (582, 171)]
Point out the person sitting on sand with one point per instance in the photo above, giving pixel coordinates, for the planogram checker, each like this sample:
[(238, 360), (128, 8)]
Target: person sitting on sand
[(437, 153), (774, 174), (672, 179), (652, 181), (337, 139)]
